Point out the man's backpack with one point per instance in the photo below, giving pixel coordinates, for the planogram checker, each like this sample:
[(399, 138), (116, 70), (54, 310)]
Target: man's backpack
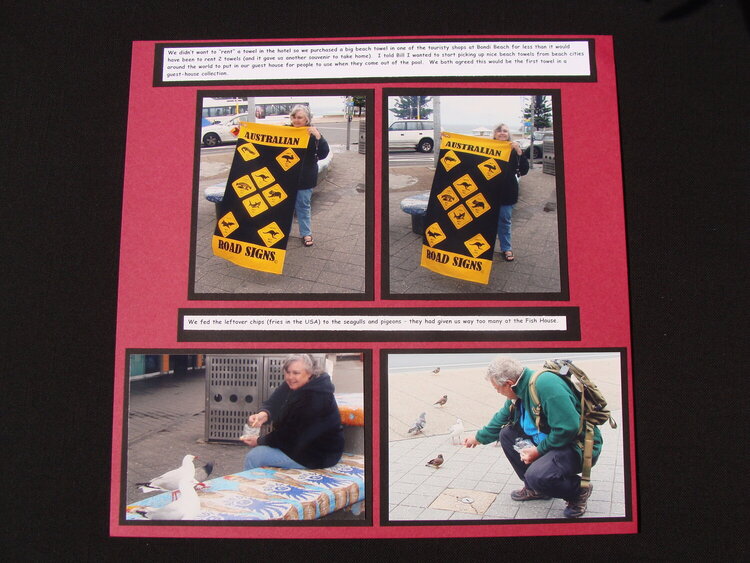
[(594, 409)]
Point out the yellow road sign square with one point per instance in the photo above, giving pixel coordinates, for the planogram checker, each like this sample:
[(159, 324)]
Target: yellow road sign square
[(274, 195), (287, 159), (228, 224), (460, 216), (254, 205), (243, 186), (449, 160), (271, 234), (434, 234), (489, 168), (478, 205), (448, 197), (465, 185), (263, 177), (477, 245), (247, 151)]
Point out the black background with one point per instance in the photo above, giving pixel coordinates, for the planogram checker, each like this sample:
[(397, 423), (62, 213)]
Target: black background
[(682, 85)]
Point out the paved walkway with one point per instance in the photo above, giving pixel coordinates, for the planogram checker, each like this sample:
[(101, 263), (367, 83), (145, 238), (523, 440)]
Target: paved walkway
[(334, 264), (475, 483), (536, 268)]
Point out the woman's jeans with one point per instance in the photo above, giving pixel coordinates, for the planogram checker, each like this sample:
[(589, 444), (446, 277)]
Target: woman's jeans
[(503, 227), (302, 209), (266, 456)]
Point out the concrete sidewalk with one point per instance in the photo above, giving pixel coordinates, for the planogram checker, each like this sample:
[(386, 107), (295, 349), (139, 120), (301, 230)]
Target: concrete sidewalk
[(475, 483), (334, 264), (536, 268)]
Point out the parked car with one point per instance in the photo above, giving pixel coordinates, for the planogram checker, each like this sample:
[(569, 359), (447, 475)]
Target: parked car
[(221, 130), (538, 142), (416, 134)]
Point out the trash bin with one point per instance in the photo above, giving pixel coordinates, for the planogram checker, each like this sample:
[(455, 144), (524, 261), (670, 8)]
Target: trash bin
[(362, 136), (548, 154)]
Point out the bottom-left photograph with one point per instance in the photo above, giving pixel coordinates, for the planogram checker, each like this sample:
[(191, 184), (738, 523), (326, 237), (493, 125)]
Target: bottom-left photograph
[(262, 436)]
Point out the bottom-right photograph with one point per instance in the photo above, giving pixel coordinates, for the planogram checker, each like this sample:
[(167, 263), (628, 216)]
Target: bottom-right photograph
[(506, 436)]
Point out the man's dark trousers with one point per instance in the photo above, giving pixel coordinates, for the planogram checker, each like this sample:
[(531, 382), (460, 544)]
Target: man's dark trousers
[(554, 474)]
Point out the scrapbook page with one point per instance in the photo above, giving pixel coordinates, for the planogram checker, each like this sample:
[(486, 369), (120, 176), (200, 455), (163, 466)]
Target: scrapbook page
[(356, 274)]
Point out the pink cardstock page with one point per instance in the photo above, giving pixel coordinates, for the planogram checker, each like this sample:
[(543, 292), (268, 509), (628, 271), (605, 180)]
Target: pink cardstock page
[(388, 329)]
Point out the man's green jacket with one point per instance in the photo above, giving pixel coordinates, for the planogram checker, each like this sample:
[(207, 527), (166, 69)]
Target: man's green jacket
[(561, 414)]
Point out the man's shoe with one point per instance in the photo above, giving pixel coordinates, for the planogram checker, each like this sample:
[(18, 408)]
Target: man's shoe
[(527, 494), (577, 507)]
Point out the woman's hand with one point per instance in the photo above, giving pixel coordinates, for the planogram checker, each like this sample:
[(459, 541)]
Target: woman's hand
[(251, 441), (471, 442), (529, 454), (259, 419), (516, 147), (314, 132)]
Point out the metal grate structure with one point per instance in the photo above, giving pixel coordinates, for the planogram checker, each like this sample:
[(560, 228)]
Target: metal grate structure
[(548, 155), (236, 386)]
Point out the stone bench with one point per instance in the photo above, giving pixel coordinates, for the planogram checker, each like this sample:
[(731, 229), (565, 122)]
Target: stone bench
[(416, 206)]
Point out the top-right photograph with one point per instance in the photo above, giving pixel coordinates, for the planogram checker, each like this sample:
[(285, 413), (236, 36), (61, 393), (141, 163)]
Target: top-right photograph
[(475, 199)]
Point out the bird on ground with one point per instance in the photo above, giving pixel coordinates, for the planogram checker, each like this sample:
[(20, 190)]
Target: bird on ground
[(418, 425), (436, 371), (435, 462), (456, 430), (441, 401), (186, 507), (170, 480)]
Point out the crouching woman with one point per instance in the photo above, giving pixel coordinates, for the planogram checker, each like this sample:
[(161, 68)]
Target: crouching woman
[(307, 431)]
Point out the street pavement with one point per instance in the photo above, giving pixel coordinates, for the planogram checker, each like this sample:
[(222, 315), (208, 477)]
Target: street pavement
[(166, 420), (536, 268), (475, 483), (336, 261)]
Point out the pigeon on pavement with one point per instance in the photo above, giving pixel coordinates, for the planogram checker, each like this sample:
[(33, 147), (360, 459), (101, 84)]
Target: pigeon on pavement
[(170, 480), (186, 507), (418, 425), (436, 462), (436, 371), (456, 430), (441, 401)]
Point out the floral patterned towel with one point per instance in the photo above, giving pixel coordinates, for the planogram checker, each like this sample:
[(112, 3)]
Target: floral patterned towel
[(268, 493)]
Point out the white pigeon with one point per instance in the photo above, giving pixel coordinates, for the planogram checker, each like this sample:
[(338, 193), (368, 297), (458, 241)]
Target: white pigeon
[(456, 430), (418, 425), (170, 480), (186, 507)]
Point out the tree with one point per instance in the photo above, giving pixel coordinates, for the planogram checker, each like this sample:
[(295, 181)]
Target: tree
[(412, 107), (542, 112), (359, 103)]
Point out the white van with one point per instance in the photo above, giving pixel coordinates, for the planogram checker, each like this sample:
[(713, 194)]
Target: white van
[(415, 134)]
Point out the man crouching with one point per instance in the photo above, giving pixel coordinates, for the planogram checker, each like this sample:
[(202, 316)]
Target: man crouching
[(549, 467)]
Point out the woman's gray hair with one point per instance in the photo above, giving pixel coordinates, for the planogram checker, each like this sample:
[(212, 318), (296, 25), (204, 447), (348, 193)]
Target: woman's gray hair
[(498, 129), (502, 369), (311, 366), (303, 109)]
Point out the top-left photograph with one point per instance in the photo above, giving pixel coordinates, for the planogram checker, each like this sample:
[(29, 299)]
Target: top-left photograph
[(283, 192)]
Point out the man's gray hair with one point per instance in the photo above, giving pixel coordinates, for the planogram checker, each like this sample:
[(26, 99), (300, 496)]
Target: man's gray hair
[(311, 366), (502, 369)]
